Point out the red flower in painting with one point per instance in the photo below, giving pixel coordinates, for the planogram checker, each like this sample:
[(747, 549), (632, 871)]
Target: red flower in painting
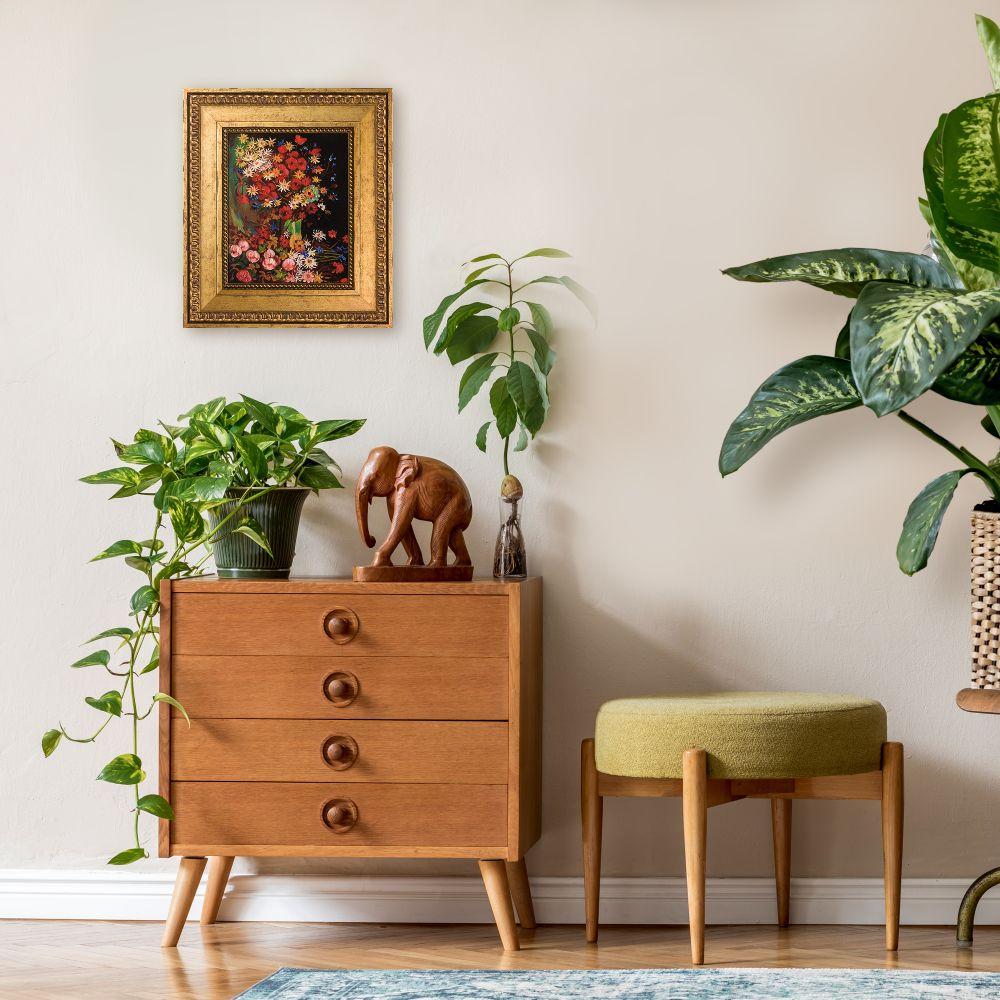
[(343, 281), (285, 212), (347, 239), (337, 267), (244, 275), (315, 151), (300, 139), (281, 170), (243, 199), (311, 209), (283, 241), (332, 233)]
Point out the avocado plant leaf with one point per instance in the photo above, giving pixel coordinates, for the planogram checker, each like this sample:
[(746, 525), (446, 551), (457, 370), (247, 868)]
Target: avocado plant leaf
[(975, 376), (810, 387), (474, 378), (971, 149), (923, 521), (503, 408), (481, 436), (472, 336), (583, 294), (459, 315), (523, 388), (846, 271), (903, 338), (432, 322)]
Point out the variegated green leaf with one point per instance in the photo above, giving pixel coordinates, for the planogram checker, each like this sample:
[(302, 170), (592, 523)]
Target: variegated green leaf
[(975, 376), (989, 35), (971, 148), (848, 270), (903, 339), (923, 521), (976, 251), (810, 387), (842, 349)]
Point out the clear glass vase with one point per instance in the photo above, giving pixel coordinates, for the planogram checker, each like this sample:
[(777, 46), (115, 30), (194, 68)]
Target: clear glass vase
[(510, 561)]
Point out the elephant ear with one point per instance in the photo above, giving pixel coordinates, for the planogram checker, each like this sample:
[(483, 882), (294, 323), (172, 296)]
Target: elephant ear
[(407, 470)]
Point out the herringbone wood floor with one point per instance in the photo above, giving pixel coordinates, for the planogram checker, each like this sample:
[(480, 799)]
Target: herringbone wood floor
[(77, 960)]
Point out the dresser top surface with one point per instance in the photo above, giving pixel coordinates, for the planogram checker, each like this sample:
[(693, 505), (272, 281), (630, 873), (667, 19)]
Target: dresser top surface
[(345, 585)]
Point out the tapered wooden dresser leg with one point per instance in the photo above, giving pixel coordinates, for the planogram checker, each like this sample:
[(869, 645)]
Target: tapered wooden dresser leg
[(498, 890), (520, 890), (592, 807), (892, 837), (695, 806), (215, 886), (781, 828), (188, 877)]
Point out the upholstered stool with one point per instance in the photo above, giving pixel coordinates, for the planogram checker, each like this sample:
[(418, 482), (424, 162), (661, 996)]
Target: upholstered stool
[(710, 749)]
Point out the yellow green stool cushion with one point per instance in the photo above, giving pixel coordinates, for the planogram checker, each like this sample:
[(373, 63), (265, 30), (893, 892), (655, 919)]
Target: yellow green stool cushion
[(746, 734)]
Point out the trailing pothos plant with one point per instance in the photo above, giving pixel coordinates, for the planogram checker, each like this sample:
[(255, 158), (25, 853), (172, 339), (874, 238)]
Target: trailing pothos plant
[(919, 322), (496, 336), (245, 447)]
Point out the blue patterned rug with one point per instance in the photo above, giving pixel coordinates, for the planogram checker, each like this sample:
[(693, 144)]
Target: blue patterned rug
[(634, 984)]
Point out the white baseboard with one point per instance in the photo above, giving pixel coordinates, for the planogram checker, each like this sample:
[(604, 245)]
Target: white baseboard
[(53, 895)]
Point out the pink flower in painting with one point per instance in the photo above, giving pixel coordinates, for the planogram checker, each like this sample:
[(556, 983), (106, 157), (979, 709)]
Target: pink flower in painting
[(253, 256), (308, 276), (234, 251), (244, 275), (288, 264), (244, 246), (269, 263)]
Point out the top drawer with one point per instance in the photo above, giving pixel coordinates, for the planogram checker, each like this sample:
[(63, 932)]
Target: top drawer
[(339, 625)]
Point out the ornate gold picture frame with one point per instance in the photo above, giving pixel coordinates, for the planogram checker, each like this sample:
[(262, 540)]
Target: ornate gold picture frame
[(288, 208)]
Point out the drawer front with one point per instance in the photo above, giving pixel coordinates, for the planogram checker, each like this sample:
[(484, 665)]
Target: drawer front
[(343, 751), (311, 687), (224, 814), (386, 625)]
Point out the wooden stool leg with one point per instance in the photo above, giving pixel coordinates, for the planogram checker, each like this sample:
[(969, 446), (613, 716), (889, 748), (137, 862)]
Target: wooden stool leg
[(781, 828), (892, 837), (520, 890), (498, 890), (218, 875), (188, 877), (592, 806), (694, 796)]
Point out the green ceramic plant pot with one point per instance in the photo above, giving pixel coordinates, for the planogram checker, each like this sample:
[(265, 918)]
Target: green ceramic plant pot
[(238, 557)]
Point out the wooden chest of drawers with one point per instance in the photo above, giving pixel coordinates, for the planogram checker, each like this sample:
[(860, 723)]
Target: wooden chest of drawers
[(339, 719)]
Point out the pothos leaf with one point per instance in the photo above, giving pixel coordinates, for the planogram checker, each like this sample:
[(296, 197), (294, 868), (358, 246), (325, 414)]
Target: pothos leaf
[(50, 740), (110, 702), (160, 696), (255, 533), (125, 769), (810, 387), (128, 857), (155, 805), (99, 658), (923, 521)]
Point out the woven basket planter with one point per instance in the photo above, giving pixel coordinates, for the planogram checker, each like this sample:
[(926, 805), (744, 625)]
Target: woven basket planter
[(986, 596)]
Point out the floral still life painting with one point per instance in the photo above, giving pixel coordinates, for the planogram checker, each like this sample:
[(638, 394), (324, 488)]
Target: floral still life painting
[(288, 208), (289, 204)]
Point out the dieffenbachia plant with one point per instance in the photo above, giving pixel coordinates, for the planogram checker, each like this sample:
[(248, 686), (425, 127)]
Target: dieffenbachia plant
[(185, 470), (918, 323), (519, 393)]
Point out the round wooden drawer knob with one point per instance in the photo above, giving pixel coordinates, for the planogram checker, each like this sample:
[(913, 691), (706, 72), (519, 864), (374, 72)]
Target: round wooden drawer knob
[(340, 752), (341, 625), (340, 815), (341, 688)]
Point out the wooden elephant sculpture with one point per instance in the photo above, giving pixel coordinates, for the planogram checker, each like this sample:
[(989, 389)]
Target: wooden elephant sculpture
[(421, 488)]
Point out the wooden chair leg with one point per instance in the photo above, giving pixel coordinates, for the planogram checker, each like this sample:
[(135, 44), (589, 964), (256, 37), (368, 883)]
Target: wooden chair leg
[(498, 890), (520, 890), (218, 875), (781, 828), (694, 797), (592, 806), (892, 837), (188, 877)]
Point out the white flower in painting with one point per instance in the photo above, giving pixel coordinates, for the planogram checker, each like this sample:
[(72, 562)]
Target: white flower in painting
[(252, 189), (319, 235), (310, 262)]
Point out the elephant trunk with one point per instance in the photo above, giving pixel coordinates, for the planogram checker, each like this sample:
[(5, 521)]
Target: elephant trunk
[(362, 499)]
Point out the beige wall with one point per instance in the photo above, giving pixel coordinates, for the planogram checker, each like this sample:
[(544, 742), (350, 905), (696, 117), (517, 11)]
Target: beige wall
[(658, 141)]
